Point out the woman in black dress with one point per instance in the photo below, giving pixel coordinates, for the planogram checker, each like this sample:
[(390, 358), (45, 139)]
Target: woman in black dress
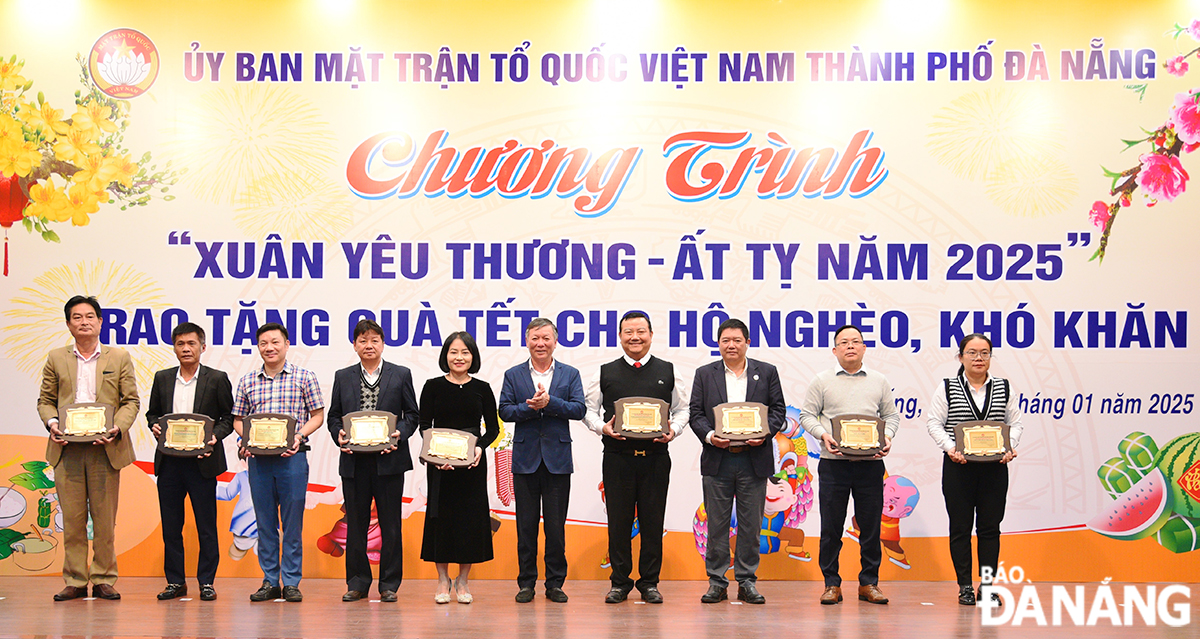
[(458, 527)]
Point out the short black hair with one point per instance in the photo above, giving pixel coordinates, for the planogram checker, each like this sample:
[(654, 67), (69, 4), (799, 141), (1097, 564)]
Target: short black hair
[(635, 315), (184, 329), (733, 323), (846, 327), (272, 326), (467, 341), (82, 299), (367, 325)]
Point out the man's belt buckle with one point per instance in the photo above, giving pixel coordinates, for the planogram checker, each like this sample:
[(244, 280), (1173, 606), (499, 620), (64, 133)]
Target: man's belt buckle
[(736, 449), (639, 453)]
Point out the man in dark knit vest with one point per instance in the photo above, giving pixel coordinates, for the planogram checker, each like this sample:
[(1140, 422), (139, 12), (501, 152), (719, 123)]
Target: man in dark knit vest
[(373, 384), (636, 472)]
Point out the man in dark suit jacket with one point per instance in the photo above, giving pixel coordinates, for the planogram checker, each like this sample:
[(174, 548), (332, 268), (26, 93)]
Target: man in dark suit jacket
[(190, 388), (373, 384), (732, 470), (540, 396)]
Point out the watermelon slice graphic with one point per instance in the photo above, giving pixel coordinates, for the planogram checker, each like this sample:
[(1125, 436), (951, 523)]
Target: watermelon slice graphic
[(1138, 512)]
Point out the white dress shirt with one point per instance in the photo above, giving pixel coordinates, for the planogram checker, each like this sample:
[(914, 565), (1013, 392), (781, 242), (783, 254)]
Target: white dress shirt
[(735, 389), (85, 376), (369, 376), (594, 419), (939, 410), (184, 400), (541, 378)]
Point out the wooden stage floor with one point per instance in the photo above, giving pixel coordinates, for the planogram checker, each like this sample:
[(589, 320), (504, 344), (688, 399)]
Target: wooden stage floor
[(926, 610)]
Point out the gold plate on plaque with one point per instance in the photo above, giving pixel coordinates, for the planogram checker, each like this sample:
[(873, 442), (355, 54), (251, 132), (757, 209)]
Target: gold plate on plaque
[(641, 417), (982, 440), (270, 433), (369, 431), (740, 421), (185, 434), (441, 446), (85, 422), (858, 435)]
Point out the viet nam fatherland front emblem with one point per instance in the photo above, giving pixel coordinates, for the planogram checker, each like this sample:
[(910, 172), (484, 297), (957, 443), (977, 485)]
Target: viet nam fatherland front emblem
[(124, 63)]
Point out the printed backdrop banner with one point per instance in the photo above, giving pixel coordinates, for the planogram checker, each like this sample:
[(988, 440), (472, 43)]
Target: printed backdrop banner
[(922, 168)]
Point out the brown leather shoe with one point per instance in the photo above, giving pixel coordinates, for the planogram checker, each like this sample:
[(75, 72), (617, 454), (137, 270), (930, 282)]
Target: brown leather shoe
[(70, 592), (871, 594), (831, 596), (105, 591)]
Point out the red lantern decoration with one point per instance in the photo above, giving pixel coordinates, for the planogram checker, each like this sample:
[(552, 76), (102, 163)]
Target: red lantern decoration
[(12, 208)]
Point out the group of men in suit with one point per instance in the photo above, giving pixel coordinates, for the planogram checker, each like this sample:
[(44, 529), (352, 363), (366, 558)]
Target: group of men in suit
[(636, 472), (539, 397), (87, 475)]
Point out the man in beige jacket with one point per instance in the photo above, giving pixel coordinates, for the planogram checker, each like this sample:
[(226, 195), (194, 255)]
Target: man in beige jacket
[(88, 476)]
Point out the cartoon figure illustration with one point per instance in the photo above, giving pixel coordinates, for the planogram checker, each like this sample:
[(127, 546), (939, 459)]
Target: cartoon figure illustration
[(789, 503), (700, 531), (243, 525), (416, 486), (789, 497), (333, 543), (607, 563), (502, 463), (900, 497), (782, 515)]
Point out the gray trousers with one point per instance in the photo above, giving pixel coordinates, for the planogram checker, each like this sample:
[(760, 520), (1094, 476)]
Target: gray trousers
[(735, 480)]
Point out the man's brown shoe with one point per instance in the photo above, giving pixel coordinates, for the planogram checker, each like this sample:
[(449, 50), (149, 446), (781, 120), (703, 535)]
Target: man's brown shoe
[(831, 596), (105, 591), (70, 592), (871, 594)]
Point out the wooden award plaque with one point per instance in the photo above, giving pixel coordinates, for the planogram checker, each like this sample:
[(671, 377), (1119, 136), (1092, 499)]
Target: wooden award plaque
[(858, 435), (85, 423), (269, 433), (185, 434), (369, 431), (641, 417), (442, 446), (982, 440), (740, 421)]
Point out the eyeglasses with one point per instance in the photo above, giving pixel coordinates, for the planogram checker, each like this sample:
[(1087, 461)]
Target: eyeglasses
[(974, 355), (849, 342)]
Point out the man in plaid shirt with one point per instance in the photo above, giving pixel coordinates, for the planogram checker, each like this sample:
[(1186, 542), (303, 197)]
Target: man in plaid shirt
[(279, 483)]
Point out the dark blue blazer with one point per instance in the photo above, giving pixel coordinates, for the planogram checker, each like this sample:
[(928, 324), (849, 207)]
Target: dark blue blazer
[(542, 435), (708, 390), (396, 396), (214, 397)]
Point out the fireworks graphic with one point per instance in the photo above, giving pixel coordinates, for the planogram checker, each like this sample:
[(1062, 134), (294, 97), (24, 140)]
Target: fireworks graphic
[(979, 131), (35, 321), (1009, 140), (1032, 187), (232, 139), (297, 207)]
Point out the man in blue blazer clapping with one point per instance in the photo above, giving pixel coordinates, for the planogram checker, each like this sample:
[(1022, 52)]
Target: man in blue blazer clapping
[(539, 397)]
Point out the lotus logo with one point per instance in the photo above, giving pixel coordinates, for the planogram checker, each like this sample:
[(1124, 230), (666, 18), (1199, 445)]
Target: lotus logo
[(124, 63), (123, 69)]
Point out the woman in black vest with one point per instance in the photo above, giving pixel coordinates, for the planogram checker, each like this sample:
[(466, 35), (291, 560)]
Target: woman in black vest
[(975, 493)]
